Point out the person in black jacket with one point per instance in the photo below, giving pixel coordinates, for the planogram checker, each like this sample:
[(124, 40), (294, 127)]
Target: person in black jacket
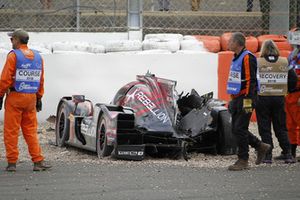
[(270, 108), (242, 86)]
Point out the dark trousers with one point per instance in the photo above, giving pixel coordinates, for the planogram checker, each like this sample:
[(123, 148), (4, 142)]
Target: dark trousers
[(265, 9), (240, 124), (270, 110), (264, 5), (164, 4), (249, 4)]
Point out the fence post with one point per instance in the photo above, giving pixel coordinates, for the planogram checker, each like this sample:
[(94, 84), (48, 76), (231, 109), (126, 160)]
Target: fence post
[(294, 13), (134, 19), (77, 15), (279, 17)]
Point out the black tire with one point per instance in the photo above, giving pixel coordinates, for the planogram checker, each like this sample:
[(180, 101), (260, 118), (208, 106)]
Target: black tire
[(226, 144), (102, 148), (62, 126)]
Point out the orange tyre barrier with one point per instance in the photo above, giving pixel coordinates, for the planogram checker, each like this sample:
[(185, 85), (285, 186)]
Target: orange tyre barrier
[(213, 46), (251, 42), (284, 46), (207, 37), (257, 54), (224, 62), (285, 53), (211, 43), (224, 41), (280, 41)]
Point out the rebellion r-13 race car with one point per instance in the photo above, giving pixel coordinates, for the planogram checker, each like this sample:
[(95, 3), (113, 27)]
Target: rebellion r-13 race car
[(146, 116)]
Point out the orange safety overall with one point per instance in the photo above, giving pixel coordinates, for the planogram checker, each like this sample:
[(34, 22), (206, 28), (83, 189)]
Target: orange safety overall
[(20, 111), (292, 108)]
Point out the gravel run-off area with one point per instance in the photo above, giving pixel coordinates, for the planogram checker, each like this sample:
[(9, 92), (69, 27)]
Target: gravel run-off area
[(53, 153)]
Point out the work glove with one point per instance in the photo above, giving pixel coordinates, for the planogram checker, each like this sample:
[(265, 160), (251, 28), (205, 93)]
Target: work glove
[(1, 102), (38, 105), (247, 105)]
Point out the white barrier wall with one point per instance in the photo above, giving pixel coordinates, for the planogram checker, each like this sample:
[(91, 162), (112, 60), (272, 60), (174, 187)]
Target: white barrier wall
[(100, 76), (50, 37)]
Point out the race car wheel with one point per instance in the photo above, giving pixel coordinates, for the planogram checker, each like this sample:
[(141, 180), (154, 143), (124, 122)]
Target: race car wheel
[(62, 125), (103, 149), (226, 144)]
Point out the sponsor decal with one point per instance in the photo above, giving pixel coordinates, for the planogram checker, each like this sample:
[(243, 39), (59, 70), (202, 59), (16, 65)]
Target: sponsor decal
[(234, 76), (152, 107), (273, 77), (25, 65), (84, 128), (231, 88), (266, 68), (265, 89), (28, 75), (130, 153), (24, 86), (87, 130)]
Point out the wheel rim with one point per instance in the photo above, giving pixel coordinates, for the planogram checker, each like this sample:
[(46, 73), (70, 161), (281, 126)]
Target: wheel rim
[(61, 125)]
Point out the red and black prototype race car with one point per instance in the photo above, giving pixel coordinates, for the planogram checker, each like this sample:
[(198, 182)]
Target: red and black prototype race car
[(146, 116)]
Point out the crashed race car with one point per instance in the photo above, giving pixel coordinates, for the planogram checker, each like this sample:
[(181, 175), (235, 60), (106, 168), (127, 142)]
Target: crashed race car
[(146, 116)]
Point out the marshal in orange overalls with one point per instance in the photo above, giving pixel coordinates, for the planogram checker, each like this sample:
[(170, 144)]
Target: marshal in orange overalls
[(20, 110)]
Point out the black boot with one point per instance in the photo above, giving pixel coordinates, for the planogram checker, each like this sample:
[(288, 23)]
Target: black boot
[(11, 167), (293, 150), (262, 151), (41, 166)]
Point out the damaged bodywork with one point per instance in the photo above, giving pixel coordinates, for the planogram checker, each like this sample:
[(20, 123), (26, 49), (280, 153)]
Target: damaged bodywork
[(146, 116)]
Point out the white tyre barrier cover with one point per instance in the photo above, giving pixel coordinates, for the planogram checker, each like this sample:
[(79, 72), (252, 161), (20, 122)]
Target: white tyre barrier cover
[(6, 46), (69, 46), (4, 51), (189, 37), (123, 45), (164, 36), (170, 45), (77, 46), (41, 50), (189, 52), (40, 47), (154, 51), (73, 52), (124, 52), (96, 48), (192, 45)]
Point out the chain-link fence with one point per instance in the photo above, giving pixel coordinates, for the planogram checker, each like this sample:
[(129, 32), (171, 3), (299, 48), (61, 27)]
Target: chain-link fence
[(214, 17), (209, 17), (64, 15)]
